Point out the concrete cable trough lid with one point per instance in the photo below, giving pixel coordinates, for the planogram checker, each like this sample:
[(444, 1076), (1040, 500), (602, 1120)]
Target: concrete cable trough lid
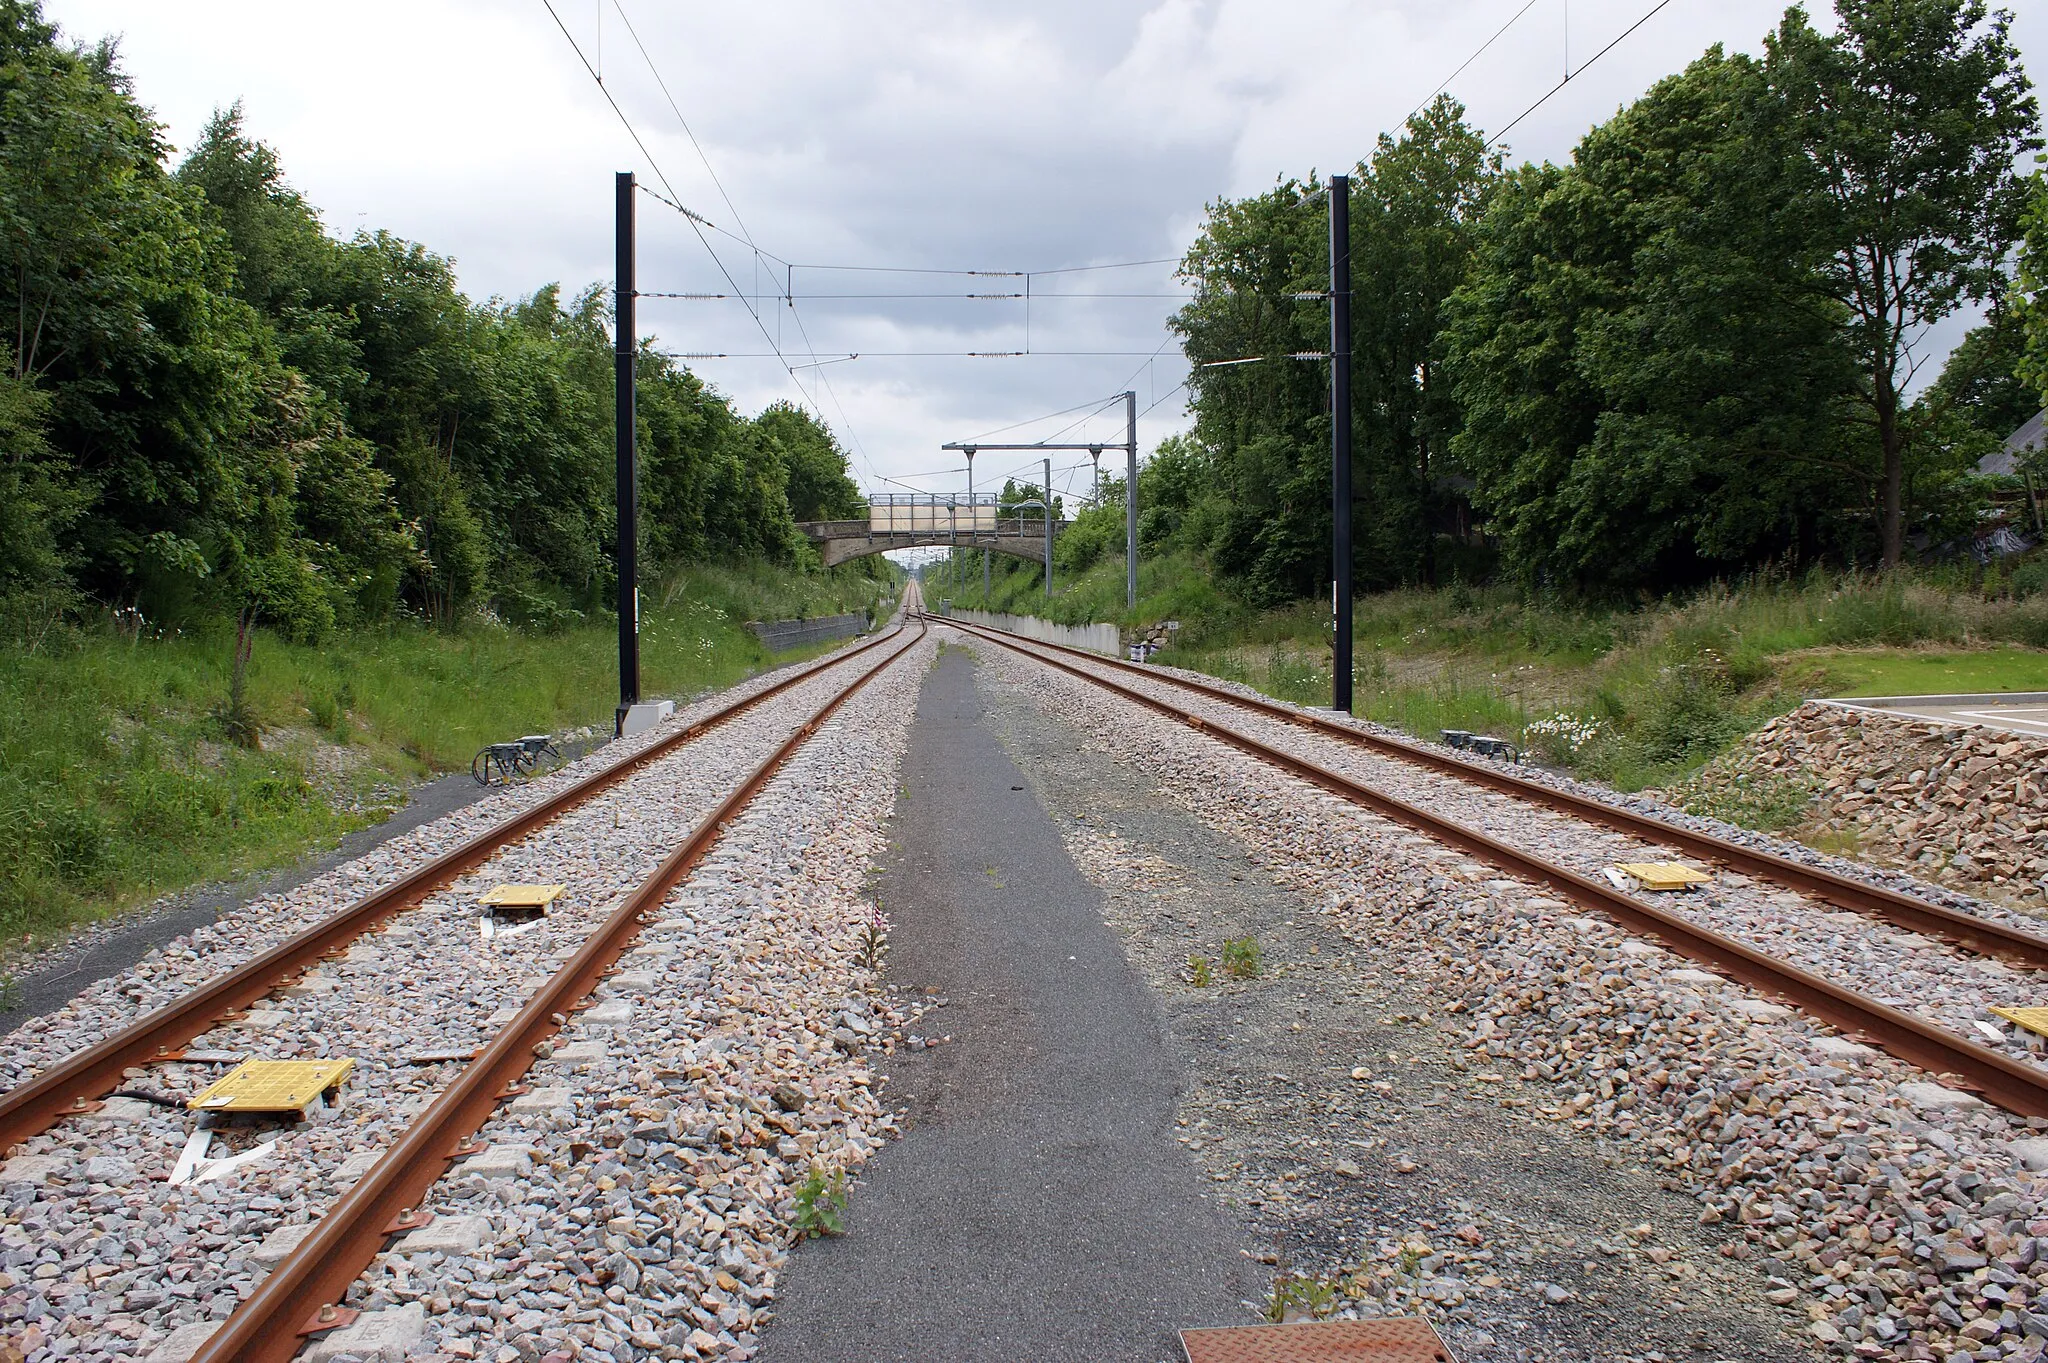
[(1394, 1339)]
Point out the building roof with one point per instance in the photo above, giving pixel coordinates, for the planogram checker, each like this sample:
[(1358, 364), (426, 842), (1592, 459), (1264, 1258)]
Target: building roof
[(2032, 436)]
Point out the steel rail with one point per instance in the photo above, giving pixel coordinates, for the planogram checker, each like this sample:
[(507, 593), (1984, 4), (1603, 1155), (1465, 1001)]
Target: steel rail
[(1902, 910), (71, 1085), (307, 1286), (2018, 1087)]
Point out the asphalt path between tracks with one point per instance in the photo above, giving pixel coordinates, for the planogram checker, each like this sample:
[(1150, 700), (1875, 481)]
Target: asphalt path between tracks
[(1038, 1205)]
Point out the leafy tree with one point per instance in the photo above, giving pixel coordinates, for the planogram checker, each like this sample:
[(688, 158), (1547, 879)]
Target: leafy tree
[(1263, 422), (819, 488), (1981, 381), (1651, 388), (1910, 117), (1416, 210), (38, 504), (2030, 291)]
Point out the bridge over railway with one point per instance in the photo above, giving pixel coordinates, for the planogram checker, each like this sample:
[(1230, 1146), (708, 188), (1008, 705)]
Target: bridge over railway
[(941, 520)]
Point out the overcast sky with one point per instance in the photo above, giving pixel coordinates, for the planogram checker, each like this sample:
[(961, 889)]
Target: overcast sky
[(899, 133)]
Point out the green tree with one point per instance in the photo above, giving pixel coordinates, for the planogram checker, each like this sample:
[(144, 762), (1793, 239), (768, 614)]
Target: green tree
[(1650, 384), (1416, 209), (2030, 291), (1981, 380), (819, 486), (1261, 417), (1910, 117)]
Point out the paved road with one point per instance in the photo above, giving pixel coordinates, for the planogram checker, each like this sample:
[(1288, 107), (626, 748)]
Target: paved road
[(1038, 1207), (2012, 713)]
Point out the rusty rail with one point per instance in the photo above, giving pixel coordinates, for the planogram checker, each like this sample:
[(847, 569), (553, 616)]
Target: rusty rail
[(270, 1326), (1980, 935), (71, 1085), (2018, 1087)]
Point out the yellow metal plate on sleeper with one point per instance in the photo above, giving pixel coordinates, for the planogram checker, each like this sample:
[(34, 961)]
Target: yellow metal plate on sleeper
[(271, 1085), (2033, 1019), (523, 896), (1663, 875)]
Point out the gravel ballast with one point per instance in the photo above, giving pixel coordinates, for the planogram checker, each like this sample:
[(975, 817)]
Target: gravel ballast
[(1889, 1216)]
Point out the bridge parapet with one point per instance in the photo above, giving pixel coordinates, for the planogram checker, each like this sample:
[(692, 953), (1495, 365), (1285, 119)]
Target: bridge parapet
[(924, 520)]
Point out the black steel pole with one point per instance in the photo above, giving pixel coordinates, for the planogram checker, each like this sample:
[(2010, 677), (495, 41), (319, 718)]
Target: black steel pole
[(628, 470), (1048, 529), (1340, 436), (1131, 499)]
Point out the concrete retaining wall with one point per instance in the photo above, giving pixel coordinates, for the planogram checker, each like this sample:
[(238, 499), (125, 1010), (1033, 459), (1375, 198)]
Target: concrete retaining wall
[(1102, 639), (780, 636)]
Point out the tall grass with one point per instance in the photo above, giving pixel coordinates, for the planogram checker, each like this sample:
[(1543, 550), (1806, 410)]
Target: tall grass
[(117, 782)]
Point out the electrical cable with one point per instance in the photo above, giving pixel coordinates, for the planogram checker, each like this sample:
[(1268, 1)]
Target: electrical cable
[(884, 297), (845, 421), (1469, 60), (698, 222), (1064, 411), (1501, 136)]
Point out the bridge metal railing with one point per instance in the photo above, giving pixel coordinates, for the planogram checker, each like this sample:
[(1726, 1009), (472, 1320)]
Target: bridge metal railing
[(948, 513)]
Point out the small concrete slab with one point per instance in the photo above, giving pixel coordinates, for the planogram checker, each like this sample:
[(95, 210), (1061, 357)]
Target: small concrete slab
[(499, 1161), (612, 1013), (582, 1052), (281, 1242), (1937, 1097), (183, 1342), (32, 1169), (358, 1164), (1640, 950), (262, 1020), (311, 985), (384, 1336), (1840, 1048), (447, 1235), (654, 949), (543, 1100), (644, 716), (1760, 1010), (1691, 976), (633, 981)]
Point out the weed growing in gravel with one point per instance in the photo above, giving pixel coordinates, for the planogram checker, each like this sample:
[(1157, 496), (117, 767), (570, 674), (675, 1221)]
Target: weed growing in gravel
[(874, 941), (1296, 1297), (1199, 974), (1766, 804), (820, 1204), (1242, 959)]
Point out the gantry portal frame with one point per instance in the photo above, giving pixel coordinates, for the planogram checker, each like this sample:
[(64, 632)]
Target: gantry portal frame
[(1094, 447)]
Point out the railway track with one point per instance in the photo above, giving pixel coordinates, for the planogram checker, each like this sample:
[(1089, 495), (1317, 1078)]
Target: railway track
[(2015, 1083), (73, 1085), (460, 1088)]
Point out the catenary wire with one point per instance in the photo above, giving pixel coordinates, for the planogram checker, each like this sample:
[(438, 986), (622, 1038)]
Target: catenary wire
[(697, 222), (1501, 136), (1469, 60)]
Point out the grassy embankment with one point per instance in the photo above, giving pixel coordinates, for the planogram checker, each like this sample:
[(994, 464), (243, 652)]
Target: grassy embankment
[(1637, 697), (116, 785)]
